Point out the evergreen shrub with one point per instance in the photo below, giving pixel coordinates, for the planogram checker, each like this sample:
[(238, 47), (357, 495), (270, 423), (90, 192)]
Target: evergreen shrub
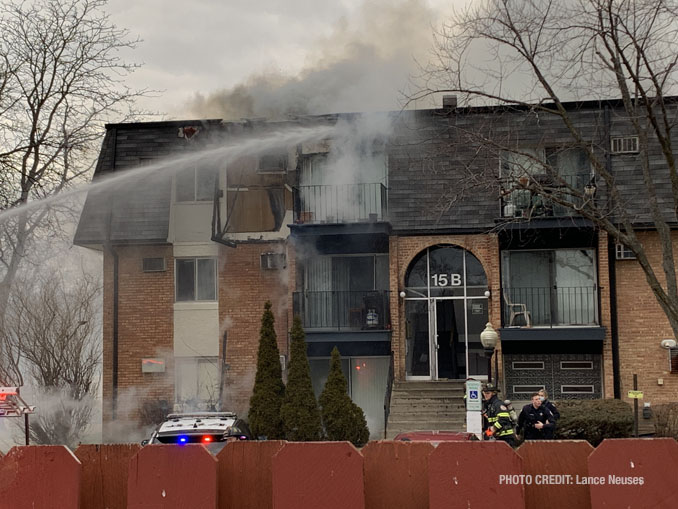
[(342, 418), (300, 412), (269, 390), (594, 420)]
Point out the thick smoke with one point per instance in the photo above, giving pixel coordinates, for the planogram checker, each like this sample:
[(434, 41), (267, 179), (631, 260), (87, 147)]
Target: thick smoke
[(363, 66)]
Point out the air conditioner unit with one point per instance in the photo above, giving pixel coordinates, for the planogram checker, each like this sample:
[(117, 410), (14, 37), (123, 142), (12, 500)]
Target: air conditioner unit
[(624, 145), (273, 261), (274, 162), (154, 264)]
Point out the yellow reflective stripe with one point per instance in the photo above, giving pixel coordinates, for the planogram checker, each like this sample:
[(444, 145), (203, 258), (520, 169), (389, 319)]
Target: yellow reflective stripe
[(504, 414), (497, 425)]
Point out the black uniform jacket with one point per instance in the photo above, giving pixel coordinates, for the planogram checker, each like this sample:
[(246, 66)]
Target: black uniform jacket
[(531, 416)]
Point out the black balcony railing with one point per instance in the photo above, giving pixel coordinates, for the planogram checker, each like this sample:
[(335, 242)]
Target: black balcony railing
[(346, 203), (527, 203), (551, 306), (343, 310)]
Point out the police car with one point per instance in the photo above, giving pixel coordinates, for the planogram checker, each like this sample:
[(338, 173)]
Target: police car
[(200, 428)]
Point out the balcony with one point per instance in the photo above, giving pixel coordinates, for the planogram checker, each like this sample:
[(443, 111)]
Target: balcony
[(525, 203), (343, 310), (550, 306), (335, 204)]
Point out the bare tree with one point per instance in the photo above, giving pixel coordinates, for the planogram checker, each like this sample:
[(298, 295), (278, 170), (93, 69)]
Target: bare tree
[(61, 77), (535, 55), (51, 336)]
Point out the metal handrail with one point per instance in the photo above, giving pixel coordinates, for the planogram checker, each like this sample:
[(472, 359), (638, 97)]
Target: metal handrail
[(342, 203), (389, 390), (553, 306), (337, 310)]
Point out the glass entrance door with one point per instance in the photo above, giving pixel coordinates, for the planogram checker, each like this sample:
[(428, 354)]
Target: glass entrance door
[(418, 340), (446, 309), (450, 338)]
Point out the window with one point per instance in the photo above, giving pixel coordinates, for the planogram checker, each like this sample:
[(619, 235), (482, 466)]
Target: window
[(196, 279), (197, 382), (557, 287), (576, 389), (576, 364), (623, 252), (624, 145), (528, 365), (525, 162), (673, 359), (195, 184), (553, 169)]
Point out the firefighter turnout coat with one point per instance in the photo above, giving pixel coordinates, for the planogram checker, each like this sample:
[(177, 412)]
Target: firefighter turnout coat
[(498, 419)]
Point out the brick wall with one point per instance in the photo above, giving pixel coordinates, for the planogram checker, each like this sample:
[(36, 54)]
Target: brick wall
[(402, 251), (145, 329), (244, 287), (642, 325), (605, 314)]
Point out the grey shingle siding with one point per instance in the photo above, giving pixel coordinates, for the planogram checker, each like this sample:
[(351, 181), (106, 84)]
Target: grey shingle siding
[(441, 177)]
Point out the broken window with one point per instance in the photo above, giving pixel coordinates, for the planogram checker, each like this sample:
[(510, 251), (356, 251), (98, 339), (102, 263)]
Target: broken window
[(256, 201)]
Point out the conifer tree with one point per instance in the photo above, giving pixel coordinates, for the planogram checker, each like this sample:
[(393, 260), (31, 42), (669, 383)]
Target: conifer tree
[(300, 412), (269, 390), (342, 418)]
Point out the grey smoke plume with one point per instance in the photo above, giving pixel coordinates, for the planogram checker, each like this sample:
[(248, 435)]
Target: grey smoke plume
[(363, 66)]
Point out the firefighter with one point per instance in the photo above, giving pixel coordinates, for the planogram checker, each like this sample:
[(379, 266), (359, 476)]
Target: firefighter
[(497, 423), (535, 420)]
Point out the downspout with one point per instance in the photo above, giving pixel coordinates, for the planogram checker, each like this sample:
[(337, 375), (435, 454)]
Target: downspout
[(611, 263), (614, 329), (116, 265)]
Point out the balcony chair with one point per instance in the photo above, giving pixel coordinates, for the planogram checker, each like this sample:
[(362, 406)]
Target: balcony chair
[(516, 310)]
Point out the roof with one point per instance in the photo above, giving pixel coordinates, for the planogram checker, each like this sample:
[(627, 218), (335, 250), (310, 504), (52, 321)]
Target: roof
[(197, 423), (431, 167)]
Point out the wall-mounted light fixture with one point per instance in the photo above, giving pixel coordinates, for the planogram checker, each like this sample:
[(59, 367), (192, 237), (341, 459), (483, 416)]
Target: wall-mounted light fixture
[(402, 295), (487, 294), (668, 343), (590, 189)]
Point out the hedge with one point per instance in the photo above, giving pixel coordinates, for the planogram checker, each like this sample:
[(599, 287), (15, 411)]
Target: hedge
[(594, 420)]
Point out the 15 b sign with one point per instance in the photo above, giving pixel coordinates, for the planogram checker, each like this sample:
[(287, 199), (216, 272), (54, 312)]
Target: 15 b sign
[(446, 279)]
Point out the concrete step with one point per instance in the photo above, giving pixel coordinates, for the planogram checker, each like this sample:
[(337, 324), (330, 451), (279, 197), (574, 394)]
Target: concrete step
[(428, 394), (393, 429), (435, 405), (428, 399), (439, 384), (417, 407)]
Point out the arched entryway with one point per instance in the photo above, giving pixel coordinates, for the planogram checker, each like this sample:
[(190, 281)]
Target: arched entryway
[(446, 309)]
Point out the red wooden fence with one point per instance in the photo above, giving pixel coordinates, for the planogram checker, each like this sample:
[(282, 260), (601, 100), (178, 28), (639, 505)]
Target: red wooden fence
[(629, 473)]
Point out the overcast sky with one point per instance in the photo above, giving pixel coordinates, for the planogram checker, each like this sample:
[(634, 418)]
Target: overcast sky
[(244, 58)]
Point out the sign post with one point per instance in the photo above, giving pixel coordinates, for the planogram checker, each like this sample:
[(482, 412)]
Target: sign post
[(474, 407), (636, 395)]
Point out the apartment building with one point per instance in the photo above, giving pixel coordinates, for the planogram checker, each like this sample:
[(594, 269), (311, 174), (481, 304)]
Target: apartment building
[(396, 240)]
